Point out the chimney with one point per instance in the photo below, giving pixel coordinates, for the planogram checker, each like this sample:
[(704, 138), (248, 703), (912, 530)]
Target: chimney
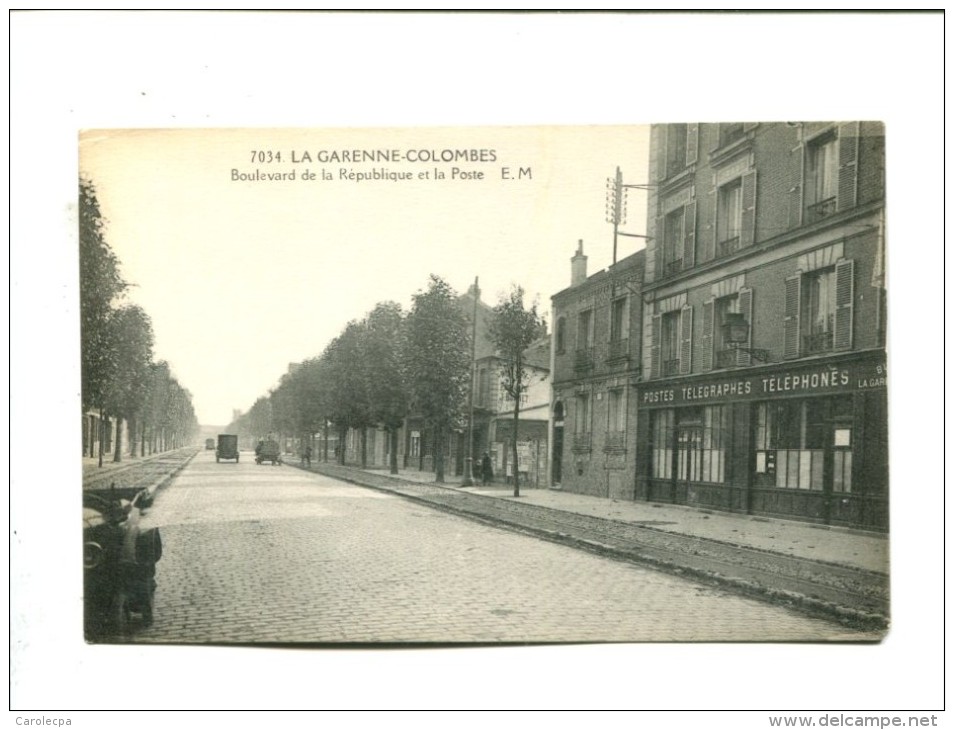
[(578, 266)]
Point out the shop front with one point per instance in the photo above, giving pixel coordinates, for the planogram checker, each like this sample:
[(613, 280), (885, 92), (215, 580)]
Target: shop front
[(802, 442)]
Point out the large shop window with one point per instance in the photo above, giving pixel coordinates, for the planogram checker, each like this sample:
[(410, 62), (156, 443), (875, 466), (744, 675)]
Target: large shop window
[(698, 438), (661, 427), (792, 439)]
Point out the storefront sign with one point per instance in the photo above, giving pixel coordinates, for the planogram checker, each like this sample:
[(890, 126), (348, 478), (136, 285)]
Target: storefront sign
[(818, 380)]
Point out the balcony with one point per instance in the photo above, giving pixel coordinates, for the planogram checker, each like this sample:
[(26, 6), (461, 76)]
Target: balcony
[(672, 267), (727, 358), (727, 247), (822, 209), (583, 360), (670, 367), (816, 343), (618, 350)]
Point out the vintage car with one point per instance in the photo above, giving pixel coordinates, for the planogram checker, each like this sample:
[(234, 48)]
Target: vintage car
[(119, 565), (270, 451), (209, 444), (227, 447)]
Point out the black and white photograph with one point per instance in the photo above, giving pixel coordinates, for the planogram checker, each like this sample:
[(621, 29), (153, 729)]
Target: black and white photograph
[(498, 460), (500, 399)]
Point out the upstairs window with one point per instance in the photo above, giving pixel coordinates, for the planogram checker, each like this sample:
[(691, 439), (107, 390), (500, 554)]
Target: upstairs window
[(676, 148), (561, 336), (584, 333), (821, 180), (729, 218), (673, 241), (725, 356), (670, 343), (729, 133), (618, 319), (818, 311)]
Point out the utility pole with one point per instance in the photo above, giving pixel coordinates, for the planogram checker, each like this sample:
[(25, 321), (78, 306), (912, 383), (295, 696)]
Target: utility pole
[(616, 206), (468, 480)]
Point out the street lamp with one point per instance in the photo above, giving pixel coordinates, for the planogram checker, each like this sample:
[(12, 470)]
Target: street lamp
[(468, 480), (735, 333)]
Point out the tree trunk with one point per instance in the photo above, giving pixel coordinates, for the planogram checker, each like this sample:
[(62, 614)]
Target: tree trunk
[(133, 423), (364, 448), (393, 432), (118, 450), (439, 455), (102, 435), (516, 461)]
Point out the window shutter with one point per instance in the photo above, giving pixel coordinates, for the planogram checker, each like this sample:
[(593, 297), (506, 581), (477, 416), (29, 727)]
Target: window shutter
[(748, 210), (796, 195), (793, 297), (689, 228), (708, 330), (692, 143), (844, 303), (654, 346), (743, 358), (847, 165), (685, 353), (659, 132)]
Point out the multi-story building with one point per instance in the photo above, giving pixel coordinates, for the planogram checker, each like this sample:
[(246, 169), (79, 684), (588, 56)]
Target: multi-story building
[(493, 416), (596, 364), (763, 358)]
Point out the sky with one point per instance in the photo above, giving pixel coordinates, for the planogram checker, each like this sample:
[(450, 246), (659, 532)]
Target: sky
[(242, 275)]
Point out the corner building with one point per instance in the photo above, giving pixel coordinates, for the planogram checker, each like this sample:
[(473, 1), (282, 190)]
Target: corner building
[(596, 362), (763, 354)]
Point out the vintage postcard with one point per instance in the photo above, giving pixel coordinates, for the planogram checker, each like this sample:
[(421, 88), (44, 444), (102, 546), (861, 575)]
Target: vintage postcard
[(485, 385)]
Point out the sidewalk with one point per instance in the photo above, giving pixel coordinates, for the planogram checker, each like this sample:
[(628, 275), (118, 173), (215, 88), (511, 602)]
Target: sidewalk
[(841, 546)]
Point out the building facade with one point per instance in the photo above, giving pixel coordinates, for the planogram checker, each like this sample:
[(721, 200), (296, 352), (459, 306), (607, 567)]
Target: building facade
[(493, 417), (763, 358), (596, 362)]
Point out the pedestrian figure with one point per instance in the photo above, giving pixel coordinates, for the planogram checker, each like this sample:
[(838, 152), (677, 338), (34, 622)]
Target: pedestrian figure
[(486, 469), (306, 456)]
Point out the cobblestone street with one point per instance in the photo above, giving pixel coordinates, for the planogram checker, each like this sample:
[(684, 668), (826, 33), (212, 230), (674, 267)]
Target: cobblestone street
[(273, 554)]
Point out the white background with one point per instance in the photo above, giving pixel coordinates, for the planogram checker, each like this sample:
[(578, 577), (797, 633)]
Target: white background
[(72, 71)]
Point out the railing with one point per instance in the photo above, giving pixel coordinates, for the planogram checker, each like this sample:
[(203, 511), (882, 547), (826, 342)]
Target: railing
[(582, 441), (818, 342), (670, 367), (673, 267), (583, 359), (727, 358), (821, 209), (618, 350), (728, 246)]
